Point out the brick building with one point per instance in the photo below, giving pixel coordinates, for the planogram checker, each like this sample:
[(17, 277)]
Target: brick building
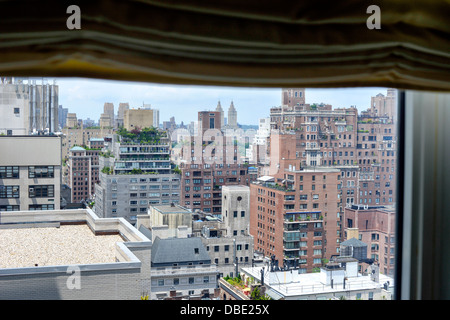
[(83, 170), (374, 226), (208, 161), (295, 216)]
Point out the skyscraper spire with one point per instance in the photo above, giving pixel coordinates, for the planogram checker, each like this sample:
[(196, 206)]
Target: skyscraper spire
[(219, 109), (232, 116)]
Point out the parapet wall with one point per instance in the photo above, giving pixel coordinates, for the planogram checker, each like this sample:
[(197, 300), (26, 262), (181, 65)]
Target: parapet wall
[(127, 278)]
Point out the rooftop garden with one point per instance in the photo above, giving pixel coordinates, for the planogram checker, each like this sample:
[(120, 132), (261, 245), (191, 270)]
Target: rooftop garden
[(245, 286), (142, 136)]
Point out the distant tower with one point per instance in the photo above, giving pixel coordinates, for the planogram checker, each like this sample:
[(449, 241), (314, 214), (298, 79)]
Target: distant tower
[(232, 116), (222, 119), (120, 113), (108, 108)]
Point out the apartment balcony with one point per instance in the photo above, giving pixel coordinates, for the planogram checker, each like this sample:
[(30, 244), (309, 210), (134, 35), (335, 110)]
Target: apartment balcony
[(302, 217), (142, 159)]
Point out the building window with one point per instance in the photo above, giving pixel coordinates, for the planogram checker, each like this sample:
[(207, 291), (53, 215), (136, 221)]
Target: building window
[(41, 172), (41, 191), (9, 172), (33, 207), (9, 208), (9, 192)]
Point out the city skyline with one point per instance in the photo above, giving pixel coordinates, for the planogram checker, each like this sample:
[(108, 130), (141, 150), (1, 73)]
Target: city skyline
[(86, 98)]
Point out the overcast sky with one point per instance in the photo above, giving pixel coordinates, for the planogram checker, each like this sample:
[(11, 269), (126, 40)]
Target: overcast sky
[(86, 98)]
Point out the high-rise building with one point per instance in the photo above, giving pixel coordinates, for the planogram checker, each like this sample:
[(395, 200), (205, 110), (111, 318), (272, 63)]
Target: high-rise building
[(361, 148), (208, 161), (294, 216), (222, 115), (121, 113), (384, 106), (62, 116), (27, 107), (136, 172), (83, 170), (108, 108), (232, 117), (209, 120), (30, 173)]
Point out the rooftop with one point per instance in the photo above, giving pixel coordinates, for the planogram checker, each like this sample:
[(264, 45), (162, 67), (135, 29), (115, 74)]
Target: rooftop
[(77, 148), (179, 250), (171, 209), (53, 246), (292, 284)]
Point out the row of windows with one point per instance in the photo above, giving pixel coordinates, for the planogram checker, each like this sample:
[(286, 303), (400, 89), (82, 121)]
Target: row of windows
[(144, 180), (31, 207), (12, 172), (178, 281), (227, 247), (41, 191), (150, 187)]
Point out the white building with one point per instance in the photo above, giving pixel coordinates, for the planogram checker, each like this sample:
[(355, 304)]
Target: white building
[(27, 107), (30, 172), (337, 280)]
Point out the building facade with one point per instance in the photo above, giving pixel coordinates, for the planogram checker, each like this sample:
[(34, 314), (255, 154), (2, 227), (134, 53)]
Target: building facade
[(135, 172), (27, 107), (295, 216), (375, 226), (83, 170), (181, 267), (140, 118), (30, 173)]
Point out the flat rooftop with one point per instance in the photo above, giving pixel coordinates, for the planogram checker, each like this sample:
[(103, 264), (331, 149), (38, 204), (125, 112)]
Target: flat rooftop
[(171, 209), (291, 283), (53, 246)]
